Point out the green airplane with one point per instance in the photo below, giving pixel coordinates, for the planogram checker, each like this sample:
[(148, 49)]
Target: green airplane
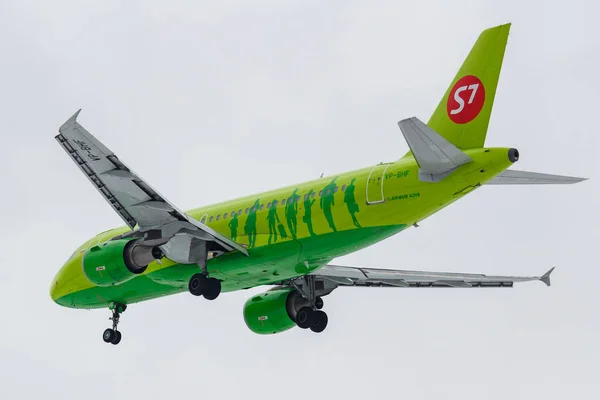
[(287, 238)]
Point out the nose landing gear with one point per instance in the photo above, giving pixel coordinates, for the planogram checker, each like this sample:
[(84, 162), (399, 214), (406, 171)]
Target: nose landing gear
[(113, 335)]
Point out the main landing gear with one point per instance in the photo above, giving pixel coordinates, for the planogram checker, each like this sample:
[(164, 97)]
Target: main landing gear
[(201, 285), (113, 335), (310, 316), (313, 318)]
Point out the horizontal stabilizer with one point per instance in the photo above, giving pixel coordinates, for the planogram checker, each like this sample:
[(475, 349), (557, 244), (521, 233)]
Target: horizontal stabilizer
[(511, 177), (436, 156)]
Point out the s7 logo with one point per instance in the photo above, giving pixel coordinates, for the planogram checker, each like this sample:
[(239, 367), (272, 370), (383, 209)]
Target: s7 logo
[(461, 103), (465, 99)]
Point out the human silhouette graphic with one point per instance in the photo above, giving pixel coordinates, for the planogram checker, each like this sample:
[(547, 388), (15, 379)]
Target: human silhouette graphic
[(273, 220), (291, 210), (250, 226), (327, 201), (233, 225), (308, 203), (351, 202)]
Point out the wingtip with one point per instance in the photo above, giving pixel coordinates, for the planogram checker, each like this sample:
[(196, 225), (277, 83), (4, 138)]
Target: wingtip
[(74, 117), (70, 120), (546, 277)]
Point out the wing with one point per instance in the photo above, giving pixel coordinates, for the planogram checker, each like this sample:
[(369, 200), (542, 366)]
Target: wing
[(512, 177), (333, 276), (136, 202)]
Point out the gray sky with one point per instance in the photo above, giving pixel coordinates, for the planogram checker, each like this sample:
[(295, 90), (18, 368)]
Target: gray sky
[(195, 94)]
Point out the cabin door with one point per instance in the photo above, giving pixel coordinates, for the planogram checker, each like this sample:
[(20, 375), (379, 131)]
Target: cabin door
[(375, 193)]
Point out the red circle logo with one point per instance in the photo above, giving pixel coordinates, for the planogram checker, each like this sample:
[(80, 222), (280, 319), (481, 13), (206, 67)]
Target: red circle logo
[(465, 100)]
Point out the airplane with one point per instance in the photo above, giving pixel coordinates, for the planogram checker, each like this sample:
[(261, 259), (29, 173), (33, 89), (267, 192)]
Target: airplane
[(288, 238)]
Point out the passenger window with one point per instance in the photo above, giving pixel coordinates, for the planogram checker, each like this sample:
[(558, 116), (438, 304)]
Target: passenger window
[(232, 214), (239, 212), (274, 203), (343, 188), (210, 219), (262, 206), (320, 193), (218, 217), (335, 190), (306, 197), (203, 220), (283, 202), (253, 208), (269, 205), (247, 210), (313, 195)]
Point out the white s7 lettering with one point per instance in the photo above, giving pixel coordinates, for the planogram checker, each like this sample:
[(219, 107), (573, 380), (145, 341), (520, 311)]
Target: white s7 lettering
[(461, 103)]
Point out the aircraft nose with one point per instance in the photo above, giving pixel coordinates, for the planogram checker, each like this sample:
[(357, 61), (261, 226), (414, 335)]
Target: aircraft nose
[(54, 289)]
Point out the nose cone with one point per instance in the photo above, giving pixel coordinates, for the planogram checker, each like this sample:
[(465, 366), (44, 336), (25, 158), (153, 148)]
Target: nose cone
[(68, 280), (55, 288)]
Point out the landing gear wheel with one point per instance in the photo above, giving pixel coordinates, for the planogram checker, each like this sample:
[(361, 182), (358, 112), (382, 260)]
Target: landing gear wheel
[(319, 303), (108, 335), (305, 317), (197, 284), (116, 338), (320, 322), (113, 335), (212, 288)]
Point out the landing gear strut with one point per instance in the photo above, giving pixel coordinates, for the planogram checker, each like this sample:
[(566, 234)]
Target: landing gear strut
[(311, 316), (200, 284), (113, 335)]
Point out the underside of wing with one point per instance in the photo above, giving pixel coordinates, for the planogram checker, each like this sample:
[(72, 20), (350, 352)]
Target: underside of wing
[(136, 202)]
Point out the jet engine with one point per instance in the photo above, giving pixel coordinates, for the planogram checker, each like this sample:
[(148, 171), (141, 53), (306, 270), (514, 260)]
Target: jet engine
[(117, 261), (273, 311)]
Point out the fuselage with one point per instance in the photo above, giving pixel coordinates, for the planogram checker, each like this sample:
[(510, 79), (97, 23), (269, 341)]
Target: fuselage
[(291, 231)]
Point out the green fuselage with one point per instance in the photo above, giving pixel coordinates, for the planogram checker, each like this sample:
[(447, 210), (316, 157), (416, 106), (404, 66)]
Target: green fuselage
[(292, 231)]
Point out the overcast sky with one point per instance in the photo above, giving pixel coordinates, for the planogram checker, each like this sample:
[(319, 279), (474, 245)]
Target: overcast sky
[(213, 100)]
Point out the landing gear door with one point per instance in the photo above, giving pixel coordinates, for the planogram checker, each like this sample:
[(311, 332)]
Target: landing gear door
[(375, 193)]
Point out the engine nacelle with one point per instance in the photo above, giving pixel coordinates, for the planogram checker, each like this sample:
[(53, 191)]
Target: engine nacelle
[(273, 311), (117, 261)]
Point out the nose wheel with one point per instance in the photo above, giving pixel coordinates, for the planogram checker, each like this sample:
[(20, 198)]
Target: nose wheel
[(113, 335)]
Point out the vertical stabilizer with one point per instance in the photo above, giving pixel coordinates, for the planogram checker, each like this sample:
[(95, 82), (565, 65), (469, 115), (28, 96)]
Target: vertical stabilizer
[(463, 114)]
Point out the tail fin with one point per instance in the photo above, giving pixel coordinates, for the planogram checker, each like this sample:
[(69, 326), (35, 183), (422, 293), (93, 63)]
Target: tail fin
[(463, 114)]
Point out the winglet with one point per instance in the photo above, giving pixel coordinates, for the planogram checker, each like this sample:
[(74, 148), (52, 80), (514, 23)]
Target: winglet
[(70, 120), (546, 277)]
